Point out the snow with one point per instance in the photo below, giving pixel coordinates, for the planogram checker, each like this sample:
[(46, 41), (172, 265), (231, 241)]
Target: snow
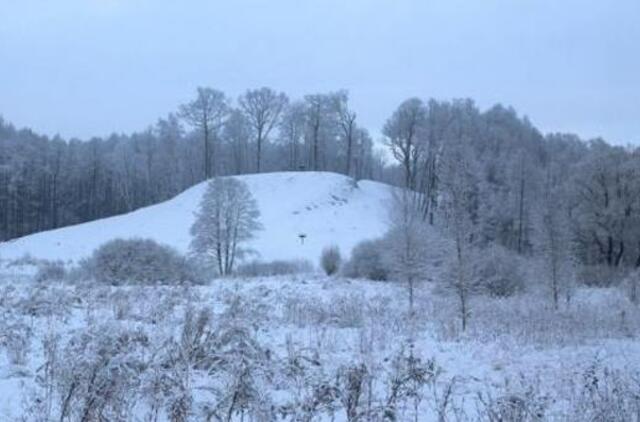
[(328, 208), (476, 365)]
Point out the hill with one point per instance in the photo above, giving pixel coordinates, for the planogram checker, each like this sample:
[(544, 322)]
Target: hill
[(328, 208)]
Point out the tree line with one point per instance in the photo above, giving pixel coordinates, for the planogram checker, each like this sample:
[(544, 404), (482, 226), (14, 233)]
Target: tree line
[(565, 206), (49, 182)]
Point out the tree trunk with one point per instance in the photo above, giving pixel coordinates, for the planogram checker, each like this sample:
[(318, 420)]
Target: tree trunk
[(207, 164), (316, 129), (521, 210), (259, 150), (349, 145)]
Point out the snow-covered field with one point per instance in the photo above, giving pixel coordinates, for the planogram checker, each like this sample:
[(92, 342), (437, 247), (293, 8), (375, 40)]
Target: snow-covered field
[(299, 346), (326, 207)]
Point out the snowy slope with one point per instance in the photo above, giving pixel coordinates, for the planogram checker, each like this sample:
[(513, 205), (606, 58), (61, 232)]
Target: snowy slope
[(324, 206)]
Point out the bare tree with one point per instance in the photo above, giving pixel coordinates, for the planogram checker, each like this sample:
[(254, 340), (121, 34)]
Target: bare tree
[(608, 206), (403, 136), (236, 134), (263, 108), (347, 121), (460, 207), (555, 240), (206, 114), (228, 215), (292, 127), (320, 113), (407, 242)]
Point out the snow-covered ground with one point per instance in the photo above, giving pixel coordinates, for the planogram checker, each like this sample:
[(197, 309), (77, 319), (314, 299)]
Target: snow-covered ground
[(323, 327), (326, 207)]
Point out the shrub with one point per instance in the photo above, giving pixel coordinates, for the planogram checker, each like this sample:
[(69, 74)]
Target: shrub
[(498, 272), (15, 337), (51, 271), (258, 268), (99, 374), (330, 260), (139, 261), (367, 261), (632, 283), (601, 275)]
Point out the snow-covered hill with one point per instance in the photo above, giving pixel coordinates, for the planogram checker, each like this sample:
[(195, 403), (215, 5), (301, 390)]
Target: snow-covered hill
[(328, 208)]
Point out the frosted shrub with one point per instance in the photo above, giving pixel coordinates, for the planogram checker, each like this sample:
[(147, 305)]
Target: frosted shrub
[(15, 337), (407, 377), (139, 261), (344, 311), (632, 285), (47, 301), (100, 373), (330, 260), (51, 271), (367, 261), (498, 272), (271, 268), (604, 394), (600, 275)]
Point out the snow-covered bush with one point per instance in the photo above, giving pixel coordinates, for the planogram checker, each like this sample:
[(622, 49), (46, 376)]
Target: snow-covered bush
[(603, 394), (100, 373), (498, 271), (600, 275), (51, 271), (330, 260), (139, 261), (367, 261), (339, 311), (527, 407), (47, 301), (15, 338), (271, 268), (632, 285)]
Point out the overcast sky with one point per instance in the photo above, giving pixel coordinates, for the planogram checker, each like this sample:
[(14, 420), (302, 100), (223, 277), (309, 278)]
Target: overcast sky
[(91, 67)]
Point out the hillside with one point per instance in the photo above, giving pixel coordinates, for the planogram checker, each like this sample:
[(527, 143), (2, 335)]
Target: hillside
[(327, 207)]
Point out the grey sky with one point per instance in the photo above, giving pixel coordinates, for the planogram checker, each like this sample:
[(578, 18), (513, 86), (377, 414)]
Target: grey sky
[(91, 67)]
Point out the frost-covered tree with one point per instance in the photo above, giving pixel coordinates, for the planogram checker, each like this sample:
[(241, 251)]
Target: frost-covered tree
[(236, 135), (555, 244), (460, 208), (228, 216), (206, 114), (292, 131), (407, 243), (607, 212), (263, 108), (403, 133), (347, 122), (320, 113)]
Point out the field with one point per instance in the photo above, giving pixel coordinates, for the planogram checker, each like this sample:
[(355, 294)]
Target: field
[(310, 347)]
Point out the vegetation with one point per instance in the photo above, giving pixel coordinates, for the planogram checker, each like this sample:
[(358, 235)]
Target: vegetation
[(138, 261)]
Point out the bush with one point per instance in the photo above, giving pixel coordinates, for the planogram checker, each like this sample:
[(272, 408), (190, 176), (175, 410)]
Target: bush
[(258, 268), (498, 272), (51, 271), (367, 261), (632, 285), (601, 275), (330, 260), (139, 261)]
